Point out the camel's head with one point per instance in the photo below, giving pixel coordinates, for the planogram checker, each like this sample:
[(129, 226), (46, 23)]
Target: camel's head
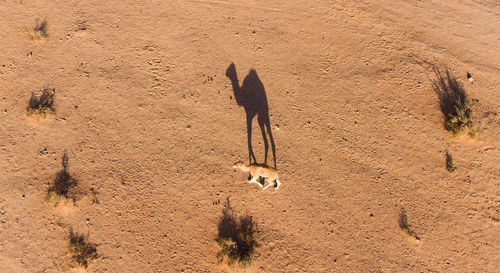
[(238, 164)]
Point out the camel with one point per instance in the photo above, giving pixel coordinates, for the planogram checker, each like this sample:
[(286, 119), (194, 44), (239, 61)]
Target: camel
[(257, 171)]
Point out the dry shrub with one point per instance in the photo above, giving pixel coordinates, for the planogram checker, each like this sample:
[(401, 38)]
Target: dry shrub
[(455, 105), (405, 228), (64, 185), (80, 250), (41, 103), (236, 238), (450, 166), (39, 31)]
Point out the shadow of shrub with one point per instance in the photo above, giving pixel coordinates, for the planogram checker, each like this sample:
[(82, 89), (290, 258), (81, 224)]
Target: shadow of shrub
[(235, 238), (454, 103), (41, 103), (64, 185), (80, 250)]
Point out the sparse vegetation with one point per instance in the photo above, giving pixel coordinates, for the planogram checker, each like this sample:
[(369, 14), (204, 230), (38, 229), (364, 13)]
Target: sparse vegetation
[(455, 105), (39, 31), (405, 228), (63, 185), (41, 103), (236, 238), (450, 166), (80, 250)]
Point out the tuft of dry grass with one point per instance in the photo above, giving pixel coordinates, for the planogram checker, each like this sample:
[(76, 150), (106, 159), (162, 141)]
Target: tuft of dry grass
[(450, 166), (63, 185), (39, 31), (236, 238), (455, 105), (41, 103), (80, 250)]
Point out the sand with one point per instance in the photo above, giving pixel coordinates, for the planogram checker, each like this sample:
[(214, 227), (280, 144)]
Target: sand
[(152, 127)]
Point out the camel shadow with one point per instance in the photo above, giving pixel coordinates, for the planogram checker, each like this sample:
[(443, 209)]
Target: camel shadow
[(252, 96)]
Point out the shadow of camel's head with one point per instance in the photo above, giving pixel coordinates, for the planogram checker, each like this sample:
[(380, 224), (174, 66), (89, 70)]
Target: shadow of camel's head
[(231, 71)]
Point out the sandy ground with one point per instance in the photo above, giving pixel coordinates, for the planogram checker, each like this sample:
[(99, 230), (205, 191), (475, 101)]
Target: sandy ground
[(150, 122)]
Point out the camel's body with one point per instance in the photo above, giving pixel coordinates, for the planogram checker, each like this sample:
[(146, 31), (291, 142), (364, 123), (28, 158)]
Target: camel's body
[(260, 171)]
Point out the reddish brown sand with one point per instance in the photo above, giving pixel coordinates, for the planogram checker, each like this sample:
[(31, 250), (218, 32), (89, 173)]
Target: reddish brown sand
[(149, 121)]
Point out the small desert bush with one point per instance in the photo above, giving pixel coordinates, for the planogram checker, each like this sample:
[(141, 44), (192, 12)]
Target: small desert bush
[(450, 166), (80, 250), (235, 239), (39, 31), (63, 185), (455, 105), (405, 228), (41, 103)]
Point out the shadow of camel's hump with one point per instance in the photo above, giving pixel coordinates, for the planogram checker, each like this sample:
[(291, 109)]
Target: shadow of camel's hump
[(253, 97)]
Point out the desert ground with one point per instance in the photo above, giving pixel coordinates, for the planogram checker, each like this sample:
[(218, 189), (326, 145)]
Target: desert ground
[(151, 111)]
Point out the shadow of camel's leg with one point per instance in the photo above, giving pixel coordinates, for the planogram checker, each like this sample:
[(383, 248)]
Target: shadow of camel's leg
[(249, 133), (268, 126), (269, 183), (254, 180), (264, 137), (278, 183)]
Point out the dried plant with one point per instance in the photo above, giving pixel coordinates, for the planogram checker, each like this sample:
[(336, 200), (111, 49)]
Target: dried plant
[(80, 250), (455, 105), (39, 31), (63, 185), (236, 238), (41, 103)]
